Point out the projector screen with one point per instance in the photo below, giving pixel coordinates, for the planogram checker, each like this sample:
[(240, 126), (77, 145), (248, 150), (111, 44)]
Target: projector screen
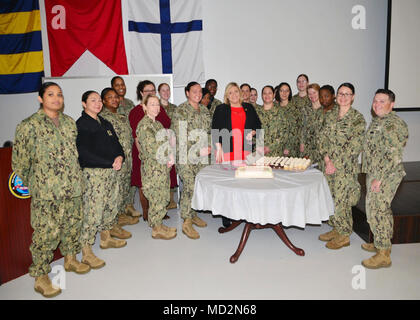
[(271, 41), (404, 60)]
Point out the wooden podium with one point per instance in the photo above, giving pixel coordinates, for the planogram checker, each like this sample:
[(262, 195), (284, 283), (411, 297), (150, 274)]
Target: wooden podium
[(15, 226)]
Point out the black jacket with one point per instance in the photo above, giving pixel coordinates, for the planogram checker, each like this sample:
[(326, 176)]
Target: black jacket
[(222, 120), (97, 143)]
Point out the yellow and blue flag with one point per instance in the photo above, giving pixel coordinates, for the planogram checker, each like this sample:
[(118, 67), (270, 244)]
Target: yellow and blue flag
[(21, 59)]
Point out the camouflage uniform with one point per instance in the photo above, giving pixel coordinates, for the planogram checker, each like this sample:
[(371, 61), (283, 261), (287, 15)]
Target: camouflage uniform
[(342, 141), (187, 171), (170, 109), (213, 105), (382, 160), (123, 130), (299, 104), (100, 202), (256, 105), (45, 157), (291, 136), (126, 105), (311, 125), (154, 171), (274, 125)]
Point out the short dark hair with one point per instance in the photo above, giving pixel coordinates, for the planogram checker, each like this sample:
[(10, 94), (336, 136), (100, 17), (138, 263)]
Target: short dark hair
[(86, 95), (328, 88), (210, 81), (389, 93), (106, 90), (191, 84), (347, 85), (267, 86), (115, 78), (302, 75), (141, 86), (45, 86), (245, 84)]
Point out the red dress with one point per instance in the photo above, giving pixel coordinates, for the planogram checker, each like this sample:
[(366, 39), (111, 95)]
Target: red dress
[(134, 117), (238, 118)]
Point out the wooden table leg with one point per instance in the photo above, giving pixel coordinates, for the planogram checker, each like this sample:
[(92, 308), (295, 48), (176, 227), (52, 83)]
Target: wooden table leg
[(232, 226), (247, 229), (280, 232)]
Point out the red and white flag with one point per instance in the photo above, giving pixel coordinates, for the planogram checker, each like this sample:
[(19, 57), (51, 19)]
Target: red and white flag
[(75, 26)]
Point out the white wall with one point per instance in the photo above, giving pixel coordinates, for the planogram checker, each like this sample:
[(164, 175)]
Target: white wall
[(270, 41)]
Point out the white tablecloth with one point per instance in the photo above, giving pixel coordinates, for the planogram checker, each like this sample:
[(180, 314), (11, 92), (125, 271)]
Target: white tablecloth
[(292, 198)]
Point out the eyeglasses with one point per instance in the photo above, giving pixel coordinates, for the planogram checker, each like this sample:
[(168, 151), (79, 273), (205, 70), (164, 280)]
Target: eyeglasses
[(344, 94)]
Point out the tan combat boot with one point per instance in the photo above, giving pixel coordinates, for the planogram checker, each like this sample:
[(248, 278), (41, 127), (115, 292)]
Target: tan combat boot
[(119, 232), (90, 259), (328, 235), (124, 220), (369, 247), (382, 259), (172, 204), (71, 264), (158, 232), (130, 210), (338, 242), (188, 229), (199, 222), (44, 286), (109, 242), (170, 229)]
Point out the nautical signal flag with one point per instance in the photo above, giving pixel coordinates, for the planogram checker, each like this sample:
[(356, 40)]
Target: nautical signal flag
[(21, 58), (165, 36), (75, 26)]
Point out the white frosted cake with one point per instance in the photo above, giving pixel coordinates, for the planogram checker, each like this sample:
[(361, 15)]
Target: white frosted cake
[(254, 172)]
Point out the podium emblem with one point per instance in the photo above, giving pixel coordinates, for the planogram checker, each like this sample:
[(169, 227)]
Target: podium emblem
[(17, 188)]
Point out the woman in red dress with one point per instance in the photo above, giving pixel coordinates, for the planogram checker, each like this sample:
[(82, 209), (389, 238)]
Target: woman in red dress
[(144, 88), (240, 121)]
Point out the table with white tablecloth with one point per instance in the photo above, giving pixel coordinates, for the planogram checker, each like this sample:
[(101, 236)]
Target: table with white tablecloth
[(288, 199)]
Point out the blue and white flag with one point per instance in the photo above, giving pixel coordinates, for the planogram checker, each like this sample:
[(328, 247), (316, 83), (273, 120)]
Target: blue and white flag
[(165, 36)]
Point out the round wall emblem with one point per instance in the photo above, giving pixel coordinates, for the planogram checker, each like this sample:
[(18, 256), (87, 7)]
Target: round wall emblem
[(17, 188)]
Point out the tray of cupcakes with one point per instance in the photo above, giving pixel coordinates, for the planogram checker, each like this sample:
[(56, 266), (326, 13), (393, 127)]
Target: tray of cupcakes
[(285, 163)]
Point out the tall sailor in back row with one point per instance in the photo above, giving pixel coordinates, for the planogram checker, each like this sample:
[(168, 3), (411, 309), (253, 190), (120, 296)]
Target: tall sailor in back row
[(385, 140)]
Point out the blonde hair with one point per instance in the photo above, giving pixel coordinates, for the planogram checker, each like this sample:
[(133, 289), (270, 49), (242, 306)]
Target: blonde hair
[(314, 86), (228, 87), (146, 100)]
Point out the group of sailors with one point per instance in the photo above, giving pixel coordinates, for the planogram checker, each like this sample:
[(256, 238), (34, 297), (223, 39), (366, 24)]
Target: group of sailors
[(83, 175)]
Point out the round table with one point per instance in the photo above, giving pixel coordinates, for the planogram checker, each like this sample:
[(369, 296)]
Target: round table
[(288, 199)]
